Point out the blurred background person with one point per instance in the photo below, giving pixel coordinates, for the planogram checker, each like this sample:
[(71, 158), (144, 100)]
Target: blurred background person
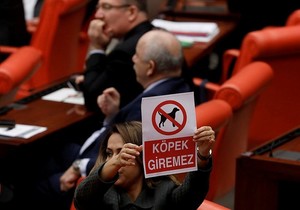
[(32, 9)]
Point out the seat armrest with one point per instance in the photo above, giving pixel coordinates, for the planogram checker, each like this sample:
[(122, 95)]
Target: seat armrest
[(209, 87), (229, 58), (18, 67), (8, 49), (237, 92), (215, 113), (294, 18)]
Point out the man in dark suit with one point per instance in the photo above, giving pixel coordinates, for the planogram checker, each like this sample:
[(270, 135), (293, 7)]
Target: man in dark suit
[(126, 22), (157, 63)]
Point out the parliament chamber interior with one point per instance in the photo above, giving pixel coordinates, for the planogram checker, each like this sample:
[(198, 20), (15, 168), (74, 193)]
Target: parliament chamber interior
[(244, 64)]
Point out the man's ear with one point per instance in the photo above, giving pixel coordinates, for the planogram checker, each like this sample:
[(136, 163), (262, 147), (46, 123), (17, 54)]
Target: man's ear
[(151, 68), (133, 12)]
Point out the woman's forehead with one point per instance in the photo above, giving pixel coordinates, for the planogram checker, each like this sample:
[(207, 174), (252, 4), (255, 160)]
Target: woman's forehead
[(115, 140)]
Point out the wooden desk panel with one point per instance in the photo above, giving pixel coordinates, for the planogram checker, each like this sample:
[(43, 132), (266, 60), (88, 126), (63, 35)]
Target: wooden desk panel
[(201, 49), (226, 23), (53, 115), (56, 116), (264, 182)]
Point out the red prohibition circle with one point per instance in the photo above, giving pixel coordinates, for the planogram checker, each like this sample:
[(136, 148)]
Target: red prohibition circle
[(158, 109)]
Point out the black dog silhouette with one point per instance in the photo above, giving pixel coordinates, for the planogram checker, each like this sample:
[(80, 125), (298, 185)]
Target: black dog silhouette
[(171, 114)]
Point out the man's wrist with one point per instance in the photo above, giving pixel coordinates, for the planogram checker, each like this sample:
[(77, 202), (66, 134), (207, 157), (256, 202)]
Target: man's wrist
[(76, 166)]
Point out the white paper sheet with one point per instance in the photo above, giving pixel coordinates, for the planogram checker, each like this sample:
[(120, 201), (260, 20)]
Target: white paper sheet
[(189, 31), (22, 131), (66, 95)]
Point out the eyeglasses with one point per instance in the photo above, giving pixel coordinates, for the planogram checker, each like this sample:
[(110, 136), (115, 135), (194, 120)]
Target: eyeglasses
[(107, 7)]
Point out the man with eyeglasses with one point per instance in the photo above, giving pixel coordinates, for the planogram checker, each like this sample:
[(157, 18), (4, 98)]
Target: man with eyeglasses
[(126, 21)]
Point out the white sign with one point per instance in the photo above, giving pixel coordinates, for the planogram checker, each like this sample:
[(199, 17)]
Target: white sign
[(169, 123)]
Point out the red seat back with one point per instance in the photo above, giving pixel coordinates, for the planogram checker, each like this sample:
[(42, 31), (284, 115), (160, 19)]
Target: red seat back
[(15, 70), (58, 37), (294, 18), (278, 108), (241, 92)]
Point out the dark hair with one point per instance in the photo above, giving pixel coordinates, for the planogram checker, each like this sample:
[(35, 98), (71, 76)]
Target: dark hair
[(141, 4)]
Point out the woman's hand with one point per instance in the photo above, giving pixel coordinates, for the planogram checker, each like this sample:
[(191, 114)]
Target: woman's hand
[(128, 154), (126, 157), (205, 138)]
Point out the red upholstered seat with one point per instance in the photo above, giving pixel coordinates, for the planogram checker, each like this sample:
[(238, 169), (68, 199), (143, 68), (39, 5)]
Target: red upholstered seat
[(61, 38), (15, 70), (278, 108), (294, 18), (241, 93), (58, 37)]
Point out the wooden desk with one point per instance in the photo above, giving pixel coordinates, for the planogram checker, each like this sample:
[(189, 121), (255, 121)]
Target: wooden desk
[(201, 49), (227, 24), (264, 182), (56, 116)]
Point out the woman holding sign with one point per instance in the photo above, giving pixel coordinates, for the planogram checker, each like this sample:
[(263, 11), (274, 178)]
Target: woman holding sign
[(117, 180)]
